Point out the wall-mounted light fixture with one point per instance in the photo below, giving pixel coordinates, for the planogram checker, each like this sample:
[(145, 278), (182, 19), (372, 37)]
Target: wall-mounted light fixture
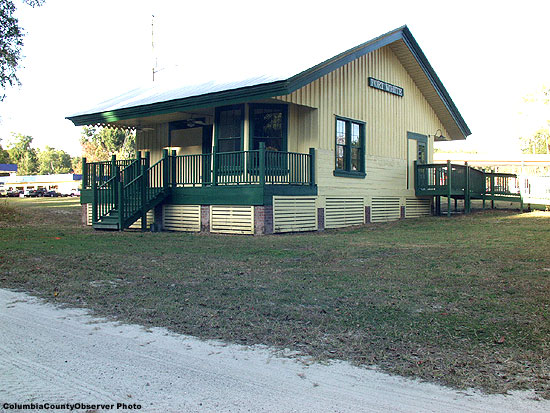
[(440, 137)]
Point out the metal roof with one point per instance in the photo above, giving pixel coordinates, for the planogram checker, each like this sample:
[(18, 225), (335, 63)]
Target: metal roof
[(163, 99), (160, 92)]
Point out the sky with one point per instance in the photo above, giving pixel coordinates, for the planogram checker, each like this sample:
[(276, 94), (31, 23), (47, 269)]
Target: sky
[(77, 53)]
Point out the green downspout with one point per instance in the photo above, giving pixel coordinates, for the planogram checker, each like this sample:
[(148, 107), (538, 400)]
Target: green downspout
[(467, 190)]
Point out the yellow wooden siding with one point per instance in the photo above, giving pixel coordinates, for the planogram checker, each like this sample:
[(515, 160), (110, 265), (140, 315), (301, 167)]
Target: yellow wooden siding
[(385, 209), (384, 177), (153, 141), (292, 214), (342, 212), (182, 218), (228, 219), (345, 92), (417, 207), (302, 128)]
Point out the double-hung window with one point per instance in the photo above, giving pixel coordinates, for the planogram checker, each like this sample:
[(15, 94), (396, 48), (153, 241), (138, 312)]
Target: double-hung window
[(229, 128), (229, 140), (350, 148), (268, 124)]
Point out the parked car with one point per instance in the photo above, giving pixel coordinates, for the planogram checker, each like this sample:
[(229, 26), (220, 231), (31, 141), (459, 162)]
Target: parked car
[(3, 192), (41, 192), (14, 192), (52, 194), (75, 192)]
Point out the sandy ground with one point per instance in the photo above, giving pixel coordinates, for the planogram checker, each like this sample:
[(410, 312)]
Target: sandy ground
[(53, 355)]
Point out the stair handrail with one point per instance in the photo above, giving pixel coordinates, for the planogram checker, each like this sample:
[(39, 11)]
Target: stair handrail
[(135, 196)]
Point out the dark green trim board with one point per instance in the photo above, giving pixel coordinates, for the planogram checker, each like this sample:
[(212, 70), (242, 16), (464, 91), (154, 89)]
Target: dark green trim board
[(226, 195), (264, 89), (236, 194), (417, 136), (349, 174)]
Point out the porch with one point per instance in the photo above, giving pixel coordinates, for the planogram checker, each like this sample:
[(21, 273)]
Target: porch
[(464, 182), (122, 191)]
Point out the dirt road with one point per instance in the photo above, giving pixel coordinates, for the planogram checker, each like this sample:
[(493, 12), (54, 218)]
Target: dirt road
[(65, 356)]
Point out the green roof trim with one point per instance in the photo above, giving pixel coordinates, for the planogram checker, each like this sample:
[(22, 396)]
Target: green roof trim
[(264, 90)]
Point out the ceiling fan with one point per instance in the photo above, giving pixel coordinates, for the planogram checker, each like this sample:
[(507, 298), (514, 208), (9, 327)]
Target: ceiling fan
[(194, 122)]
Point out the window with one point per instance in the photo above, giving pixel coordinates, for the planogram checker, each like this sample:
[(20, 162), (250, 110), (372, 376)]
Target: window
[(268, 124), (229, 128), (350, 148)]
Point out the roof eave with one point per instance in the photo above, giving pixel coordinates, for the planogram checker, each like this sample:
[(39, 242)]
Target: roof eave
[(435, 81), (226, 97)]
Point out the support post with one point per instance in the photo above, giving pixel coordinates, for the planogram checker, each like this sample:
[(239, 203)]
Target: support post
[(121, 206), (173, 165), (113, 165), (136, 169), (143, 193), (415, 177), (261, 154), (467, 199), (117, 188), (312, 166), (94, 197), (84, 174), (165, 170), (148, 159), (215, 165), (449, 186), (492, 190)]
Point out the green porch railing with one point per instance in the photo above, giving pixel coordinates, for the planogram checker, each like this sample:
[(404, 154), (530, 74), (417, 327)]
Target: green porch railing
[(123, 191), (102, 171), (224, 168), (465, 182), (255, 167), (191, 170)]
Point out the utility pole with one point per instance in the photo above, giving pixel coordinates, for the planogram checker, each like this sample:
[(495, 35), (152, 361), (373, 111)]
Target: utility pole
[(153, 46)]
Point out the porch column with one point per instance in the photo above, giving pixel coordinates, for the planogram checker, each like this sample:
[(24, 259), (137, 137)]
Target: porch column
[(246, 128)]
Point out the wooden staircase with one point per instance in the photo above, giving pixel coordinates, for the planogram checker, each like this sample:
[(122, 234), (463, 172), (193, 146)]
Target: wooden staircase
[(129, 194)]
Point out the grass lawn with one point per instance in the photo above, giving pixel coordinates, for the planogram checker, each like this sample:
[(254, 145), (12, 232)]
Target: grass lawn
[(461, 301)]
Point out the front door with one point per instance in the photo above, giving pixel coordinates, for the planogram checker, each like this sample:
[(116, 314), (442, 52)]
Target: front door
[(417, 150)]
